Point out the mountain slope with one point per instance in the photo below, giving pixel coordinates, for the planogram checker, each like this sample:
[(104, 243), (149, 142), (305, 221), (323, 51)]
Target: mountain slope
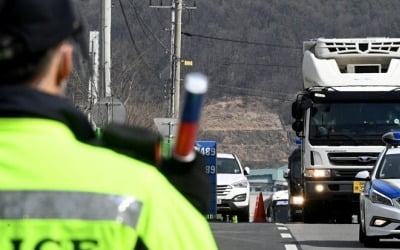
[(251, 51), (248, 128)]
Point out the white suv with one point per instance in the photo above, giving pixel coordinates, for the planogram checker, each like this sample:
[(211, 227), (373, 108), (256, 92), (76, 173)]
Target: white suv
[(233, 188)]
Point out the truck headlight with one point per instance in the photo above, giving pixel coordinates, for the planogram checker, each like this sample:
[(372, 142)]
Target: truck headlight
[(379, 198), (240, 184), (318, 173), (297, 200)]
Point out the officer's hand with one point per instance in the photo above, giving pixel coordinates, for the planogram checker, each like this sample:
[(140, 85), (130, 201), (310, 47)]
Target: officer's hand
[(190, 179)]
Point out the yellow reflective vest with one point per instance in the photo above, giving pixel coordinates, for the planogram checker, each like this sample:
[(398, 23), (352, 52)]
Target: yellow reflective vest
[(59, 193)]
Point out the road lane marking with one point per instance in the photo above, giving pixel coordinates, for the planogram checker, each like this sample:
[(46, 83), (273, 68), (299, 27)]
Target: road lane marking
[(286, 236), (290, 247), (279, 224), (282, 228)]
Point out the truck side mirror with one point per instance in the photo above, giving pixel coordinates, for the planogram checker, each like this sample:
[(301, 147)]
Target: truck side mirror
[(246, 170), (300, 105), (297, 112), (286, 173), (298, 126)]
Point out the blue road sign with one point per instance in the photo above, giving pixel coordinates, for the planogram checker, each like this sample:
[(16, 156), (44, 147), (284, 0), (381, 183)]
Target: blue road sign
[(209, 150)]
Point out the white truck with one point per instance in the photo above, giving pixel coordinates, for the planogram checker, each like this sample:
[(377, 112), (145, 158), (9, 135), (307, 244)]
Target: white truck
[(351, 97)]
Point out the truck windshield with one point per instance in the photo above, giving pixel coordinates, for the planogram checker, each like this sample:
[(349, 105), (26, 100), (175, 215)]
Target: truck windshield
[(227, 166), (352, 123)]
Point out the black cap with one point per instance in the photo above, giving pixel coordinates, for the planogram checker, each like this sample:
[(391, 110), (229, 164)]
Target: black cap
[(31, 26)]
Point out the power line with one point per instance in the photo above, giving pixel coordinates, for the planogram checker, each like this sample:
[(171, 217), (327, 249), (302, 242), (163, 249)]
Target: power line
[(140, 54), (160, 22), (240, 41), (277, 95), (128, 27), (141, 22), (261, 64)]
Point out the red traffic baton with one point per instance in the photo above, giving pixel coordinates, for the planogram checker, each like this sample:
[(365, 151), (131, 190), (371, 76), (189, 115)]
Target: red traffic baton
[(196, 85)]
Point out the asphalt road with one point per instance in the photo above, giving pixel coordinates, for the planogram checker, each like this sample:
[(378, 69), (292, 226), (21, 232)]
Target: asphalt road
[(297, 236), (250, 236), (290, 236), (333, 236)]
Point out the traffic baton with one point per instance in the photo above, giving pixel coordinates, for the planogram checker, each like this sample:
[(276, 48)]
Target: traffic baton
[(196, 85)]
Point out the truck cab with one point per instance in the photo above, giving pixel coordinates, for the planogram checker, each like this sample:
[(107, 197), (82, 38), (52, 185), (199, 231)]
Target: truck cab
[(351, 97)]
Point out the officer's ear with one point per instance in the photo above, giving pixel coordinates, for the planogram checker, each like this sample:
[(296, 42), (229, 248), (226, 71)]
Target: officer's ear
[(66, 63)]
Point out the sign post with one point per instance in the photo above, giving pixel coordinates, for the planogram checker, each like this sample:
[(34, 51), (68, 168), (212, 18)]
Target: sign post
[(167, 128), (209, 150)]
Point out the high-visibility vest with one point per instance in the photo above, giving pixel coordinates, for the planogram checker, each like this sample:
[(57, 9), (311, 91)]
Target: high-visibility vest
[(59, 193)]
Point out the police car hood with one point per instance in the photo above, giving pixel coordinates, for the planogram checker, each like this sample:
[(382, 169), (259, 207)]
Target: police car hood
[(229, 179), (388, 187)]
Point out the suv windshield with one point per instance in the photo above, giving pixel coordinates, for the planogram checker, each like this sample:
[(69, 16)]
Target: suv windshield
[(227, 166), (390, 167)]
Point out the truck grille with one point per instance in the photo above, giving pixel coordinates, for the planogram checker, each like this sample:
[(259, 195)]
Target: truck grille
[(223, 189), (372, 48), (353, 159), (329, 48), (344, 174), (341, 47)]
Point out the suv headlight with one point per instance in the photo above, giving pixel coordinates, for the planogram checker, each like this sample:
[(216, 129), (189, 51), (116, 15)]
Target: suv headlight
[(240, 184), (379, 198), (240, 197), (318, 173)]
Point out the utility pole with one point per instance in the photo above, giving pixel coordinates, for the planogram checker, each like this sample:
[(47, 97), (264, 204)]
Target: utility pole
[(94, 76), (106, 54), (176, 8), (177, 59)]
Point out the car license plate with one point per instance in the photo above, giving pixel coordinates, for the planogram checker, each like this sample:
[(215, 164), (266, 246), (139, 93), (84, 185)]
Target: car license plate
[(358, 186), (281, 203), (219, 201)]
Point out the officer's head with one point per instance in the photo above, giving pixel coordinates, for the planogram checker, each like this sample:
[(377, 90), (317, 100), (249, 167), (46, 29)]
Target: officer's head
[(36, 42)]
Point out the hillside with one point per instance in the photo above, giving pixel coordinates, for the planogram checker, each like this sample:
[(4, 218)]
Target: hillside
[(248, 128), (251, 51)]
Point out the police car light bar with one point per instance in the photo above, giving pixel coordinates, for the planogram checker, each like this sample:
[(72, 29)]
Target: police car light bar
[(392, 138)]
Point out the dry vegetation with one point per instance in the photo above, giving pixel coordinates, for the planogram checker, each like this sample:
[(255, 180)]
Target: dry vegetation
[(248, 128), (252, 56)]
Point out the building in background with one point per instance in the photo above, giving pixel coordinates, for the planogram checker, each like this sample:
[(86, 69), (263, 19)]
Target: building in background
[(267, 180)]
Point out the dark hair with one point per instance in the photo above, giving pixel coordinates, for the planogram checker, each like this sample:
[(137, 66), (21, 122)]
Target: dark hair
[(29, 29), (25, 67)]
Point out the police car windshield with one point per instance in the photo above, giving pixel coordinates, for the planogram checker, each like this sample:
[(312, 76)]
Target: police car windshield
[(390, 167), (352, 123), (227, 166)]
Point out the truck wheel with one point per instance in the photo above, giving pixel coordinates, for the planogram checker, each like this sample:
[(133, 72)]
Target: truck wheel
[(308, 214), (293, 216)]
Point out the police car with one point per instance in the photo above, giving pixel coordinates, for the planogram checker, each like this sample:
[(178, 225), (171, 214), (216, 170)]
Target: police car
[(278, 207), (380, 197)]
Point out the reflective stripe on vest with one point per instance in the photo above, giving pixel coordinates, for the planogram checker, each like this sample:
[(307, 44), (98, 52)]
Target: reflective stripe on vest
[(69, 205)]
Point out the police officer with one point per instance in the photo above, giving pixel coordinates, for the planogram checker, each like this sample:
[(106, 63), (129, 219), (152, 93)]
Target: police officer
[(57, 191)]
